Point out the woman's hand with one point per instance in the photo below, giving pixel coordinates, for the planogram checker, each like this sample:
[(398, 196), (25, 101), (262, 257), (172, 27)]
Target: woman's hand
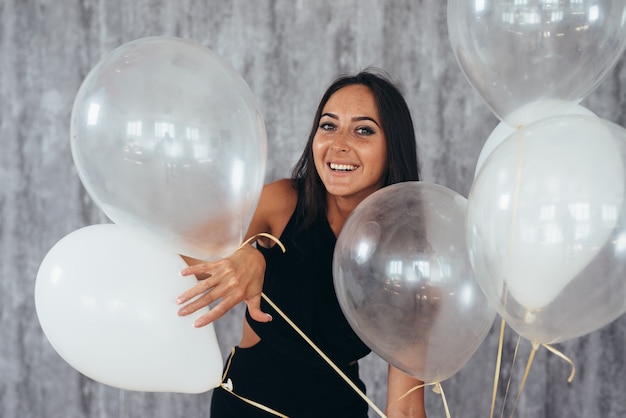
[(233, 279)]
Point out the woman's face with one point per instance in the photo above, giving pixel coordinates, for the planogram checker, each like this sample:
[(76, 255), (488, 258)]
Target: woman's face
[(349, 147)]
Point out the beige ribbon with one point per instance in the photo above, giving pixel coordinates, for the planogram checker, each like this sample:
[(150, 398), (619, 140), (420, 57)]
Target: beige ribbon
[(437, 388), (563, 357), (508, 383), (498, 368), (496, 377), (228, 386), (305, 337), (531, 357), (266, 235)]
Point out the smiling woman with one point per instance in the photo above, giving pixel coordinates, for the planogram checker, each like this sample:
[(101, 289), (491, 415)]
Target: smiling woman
[(362, 139), (349, 143)]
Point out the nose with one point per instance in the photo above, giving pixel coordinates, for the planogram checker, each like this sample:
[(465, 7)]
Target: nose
[(340, 142)]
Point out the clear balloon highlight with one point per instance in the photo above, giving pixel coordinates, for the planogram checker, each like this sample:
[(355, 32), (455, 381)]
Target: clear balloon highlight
[(167, 140), (405, 283)]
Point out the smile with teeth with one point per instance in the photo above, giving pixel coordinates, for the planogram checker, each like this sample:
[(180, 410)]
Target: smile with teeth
[(342, 167)]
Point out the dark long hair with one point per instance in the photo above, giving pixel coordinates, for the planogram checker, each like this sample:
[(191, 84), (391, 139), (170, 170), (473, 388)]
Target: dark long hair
[(396, 123)]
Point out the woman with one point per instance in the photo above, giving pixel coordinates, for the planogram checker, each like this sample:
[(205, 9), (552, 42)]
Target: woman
[(362, 139)]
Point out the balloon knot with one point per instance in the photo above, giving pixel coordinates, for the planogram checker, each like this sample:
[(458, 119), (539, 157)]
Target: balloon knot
[(228, 385)]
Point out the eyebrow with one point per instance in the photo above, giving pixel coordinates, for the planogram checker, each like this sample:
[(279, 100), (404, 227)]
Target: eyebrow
[(354, 119)]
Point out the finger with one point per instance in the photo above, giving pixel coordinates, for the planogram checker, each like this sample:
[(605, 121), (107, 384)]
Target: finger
[(215, 312), (203, 301), (197, 269), (254, 308), (203, 286), (207, 291)]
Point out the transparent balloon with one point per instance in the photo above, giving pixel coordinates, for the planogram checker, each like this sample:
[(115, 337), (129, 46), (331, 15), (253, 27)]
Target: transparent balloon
[(405, 283), (105, 301), (535, 53), (167, 139), (547, 227)]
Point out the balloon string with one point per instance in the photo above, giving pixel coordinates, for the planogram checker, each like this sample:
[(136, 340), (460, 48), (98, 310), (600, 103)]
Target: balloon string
[(437, 388), (515, 207), (535, 347), (324, 356), (228, 387), (563, 357), (304, 336), (508, 384), (516, 196), (413, 389), (498, 366), (530, 362), (266, 235), (553, 350), (253, 403)]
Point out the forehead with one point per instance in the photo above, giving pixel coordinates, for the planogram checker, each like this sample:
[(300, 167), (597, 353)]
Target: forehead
[(355, 99)]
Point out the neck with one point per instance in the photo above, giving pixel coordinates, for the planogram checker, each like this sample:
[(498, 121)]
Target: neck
[(337, 211)]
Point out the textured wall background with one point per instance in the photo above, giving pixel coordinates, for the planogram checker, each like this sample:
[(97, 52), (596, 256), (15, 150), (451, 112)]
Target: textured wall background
[(288, 51)]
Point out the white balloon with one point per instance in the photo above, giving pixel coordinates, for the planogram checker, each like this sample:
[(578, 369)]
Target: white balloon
[(540, 209), (529, 113), (105, 299)]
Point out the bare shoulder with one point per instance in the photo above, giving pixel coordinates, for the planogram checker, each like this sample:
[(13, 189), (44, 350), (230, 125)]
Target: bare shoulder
[(280, 193), (277, 202)]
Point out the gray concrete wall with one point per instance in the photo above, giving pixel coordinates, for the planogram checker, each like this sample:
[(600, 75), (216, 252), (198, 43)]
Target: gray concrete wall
[(288, 51)]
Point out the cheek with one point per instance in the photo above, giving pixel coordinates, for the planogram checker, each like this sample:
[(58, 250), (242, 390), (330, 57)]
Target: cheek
[(378, 162), (318, 151)]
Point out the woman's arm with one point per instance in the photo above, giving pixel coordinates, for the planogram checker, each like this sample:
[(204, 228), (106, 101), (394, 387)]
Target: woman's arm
[(239, 277), (398, 384)]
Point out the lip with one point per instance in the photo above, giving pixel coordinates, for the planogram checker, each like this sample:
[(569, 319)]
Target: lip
[(336, 163)]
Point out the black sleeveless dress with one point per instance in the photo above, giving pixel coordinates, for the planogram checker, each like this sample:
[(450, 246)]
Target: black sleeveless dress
[(282, 371)]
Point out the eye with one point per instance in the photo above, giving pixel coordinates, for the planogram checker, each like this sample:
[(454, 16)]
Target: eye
[(327, 126), (365, 131)]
